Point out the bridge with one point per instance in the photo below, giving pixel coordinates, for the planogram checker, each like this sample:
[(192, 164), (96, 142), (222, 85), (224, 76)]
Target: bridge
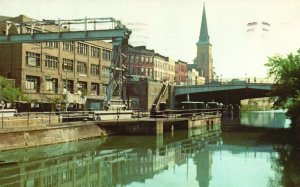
[(224, 93)]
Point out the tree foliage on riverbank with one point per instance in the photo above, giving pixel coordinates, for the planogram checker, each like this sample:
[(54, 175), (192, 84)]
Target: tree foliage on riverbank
[(286, 72), (8, 92)]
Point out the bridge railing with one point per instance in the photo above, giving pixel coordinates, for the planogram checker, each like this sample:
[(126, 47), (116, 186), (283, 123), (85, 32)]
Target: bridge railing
[(186, 113)]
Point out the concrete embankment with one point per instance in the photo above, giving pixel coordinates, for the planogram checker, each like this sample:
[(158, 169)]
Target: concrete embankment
[(44, 135), (22, 137)]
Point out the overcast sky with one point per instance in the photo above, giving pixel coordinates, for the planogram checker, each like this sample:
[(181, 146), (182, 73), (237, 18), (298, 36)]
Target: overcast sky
[(171, 27)]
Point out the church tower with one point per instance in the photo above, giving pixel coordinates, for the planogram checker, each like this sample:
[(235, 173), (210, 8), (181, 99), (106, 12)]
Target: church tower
[(204, 60)]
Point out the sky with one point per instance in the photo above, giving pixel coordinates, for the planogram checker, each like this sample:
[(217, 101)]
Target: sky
[(172, 27)]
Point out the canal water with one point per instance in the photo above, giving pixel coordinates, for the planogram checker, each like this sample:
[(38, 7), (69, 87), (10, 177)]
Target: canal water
[(270, 119), (182, 158)]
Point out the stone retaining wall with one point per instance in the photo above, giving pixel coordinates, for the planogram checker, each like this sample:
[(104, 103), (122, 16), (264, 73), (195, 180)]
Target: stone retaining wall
[(49, 135)]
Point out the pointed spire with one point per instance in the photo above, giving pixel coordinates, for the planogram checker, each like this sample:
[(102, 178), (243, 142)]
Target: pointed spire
[(204, 37)]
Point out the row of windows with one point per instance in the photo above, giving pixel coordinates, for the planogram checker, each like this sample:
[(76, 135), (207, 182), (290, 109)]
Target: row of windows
[(33, 83), (141, 71), (165, 66), (150, 72), (82, 49), (33, 59), (141, 59)]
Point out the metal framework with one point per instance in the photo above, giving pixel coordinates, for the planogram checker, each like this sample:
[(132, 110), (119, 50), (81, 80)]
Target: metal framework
[(114, 31)]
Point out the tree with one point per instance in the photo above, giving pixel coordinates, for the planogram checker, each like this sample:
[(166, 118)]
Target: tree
[(8, 92), (286, 90)]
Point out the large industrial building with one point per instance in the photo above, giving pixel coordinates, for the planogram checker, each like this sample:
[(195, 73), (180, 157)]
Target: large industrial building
[(75, 73)]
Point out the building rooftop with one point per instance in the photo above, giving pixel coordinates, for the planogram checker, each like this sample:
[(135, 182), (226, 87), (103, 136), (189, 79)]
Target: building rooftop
[(3, 18)]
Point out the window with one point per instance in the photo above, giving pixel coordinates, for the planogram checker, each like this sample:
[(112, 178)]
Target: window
[(52, 85), (82, 86), (33, 59), (32, 83), (67, 65), (95, 89), (68, 46), (51, 62), (81, 67), (95, 52), (106, 55), (151, 60), (52, 44), (69, 85), (105, 73), (151, 72), (95, 69), (82, 49), (142, 59)]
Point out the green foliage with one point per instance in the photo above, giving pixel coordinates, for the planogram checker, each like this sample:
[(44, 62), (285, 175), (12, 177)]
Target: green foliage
[(286, 71), (8, 92), (254, 108)]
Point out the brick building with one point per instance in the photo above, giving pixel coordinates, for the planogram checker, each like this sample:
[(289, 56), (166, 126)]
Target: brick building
[(73, 73), (181, 72), (145, 63)]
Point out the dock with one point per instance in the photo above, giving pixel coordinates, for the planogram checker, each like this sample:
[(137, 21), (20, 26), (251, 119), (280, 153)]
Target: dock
[(14, 137)]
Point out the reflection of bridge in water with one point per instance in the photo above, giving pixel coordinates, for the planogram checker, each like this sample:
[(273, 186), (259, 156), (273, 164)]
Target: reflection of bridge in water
[(224, 93)]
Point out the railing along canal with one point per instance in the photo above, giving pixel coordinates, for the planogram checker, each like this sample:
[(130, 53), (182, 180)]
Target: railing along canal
[(30, 119)]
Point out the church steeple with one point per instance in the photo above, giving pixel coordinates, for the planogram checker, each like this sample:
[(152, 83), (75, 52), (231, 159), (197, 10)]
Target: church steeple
[(204, 60), (204, 37)]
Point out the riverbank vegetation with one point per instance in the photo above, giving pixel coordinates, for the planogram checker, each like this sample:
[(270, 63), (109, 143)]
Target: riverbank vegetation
[(8, 92), (257, 104), (286, 90)]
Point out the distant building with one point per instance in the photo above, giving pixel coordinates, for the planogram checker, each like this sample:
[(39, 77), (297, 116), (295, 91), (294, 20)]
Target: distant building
[(140, 62), (181, 72), (146, 64), (72, 72), (204, 60), (194, 78)]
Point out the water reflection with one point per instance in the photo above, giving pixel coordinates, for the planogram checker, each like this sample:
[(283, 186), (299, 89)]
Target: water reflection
[(286, 166), (271, 119), (180, 159), (113, 161)]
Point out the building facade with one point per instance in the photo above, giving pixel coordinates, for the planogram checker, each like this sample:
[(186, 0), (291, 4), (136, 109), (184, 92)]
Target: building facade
[(73, 73), (181, 72), (146, 64), (194, 78), (140, 62), (204, 60)]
